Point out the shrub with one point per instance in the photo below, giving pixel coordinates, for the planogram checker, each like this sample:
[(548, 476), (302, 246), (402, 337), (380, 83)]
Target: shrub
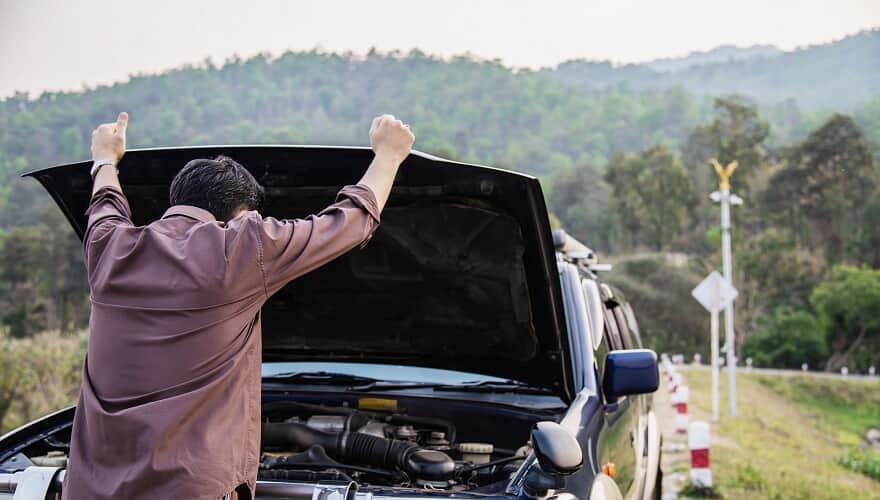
[(788, 339)]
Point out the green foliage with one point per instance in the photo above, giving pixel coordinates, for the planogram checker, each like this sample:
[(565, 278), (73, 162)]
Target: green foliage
[(866, 462), (660, 295), (42, 279), (652, 194), (736, 133), (826, 181), (775, 272), (847, 303), (689, 490), (788, 339), (580, 197)]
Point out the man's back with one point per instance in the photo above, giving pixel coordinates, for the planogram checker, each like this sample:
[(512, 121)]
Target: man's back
[(171, 384)]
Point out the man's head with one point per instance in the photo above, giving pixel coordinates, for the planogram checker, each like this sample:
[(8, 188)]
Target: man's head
[(221, 186)]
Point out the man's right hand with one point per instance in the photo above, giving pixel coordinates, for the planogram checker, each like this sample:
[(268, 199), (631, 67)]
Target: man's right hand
[(108, 140), (392, 142), (391, 138)]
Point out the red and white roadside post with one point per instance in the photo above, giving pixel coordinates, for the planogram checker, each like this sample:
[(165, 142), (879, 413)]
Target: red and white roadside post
[(680, 402), (698, 442), (675, 381)]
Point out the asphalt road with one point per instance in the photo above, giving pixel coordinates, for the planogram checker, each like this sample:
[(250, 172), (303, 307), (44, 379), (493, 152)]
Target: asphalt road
[(789, 373)]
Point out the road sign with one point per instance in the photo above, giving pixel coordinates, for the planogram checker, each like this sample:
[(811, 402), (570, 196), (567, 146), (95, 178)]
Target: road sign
[(714, 292)]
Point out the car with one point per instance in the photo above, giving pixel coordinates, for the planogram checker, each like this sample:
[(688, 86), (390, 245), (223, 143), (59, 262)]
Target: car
[(466, 351)]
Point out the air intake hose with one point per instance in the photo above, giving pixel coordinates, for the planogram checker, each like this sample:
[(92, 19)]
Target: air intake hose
[(360, 448)]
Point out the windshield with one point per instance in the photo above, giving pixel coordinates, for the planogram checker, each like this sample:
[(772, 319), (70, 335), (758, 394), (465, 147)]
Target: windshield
[(395, 373)]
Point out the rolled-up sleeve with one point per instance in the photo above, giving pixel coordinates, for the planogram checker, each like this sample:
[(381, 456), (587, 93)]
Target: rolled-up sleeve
[(107, 211), (291, 248)]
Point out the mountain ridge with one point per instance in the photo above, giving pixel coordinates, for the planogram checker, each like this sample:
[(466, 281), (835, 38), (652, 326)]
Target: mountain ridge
[(848, 69)]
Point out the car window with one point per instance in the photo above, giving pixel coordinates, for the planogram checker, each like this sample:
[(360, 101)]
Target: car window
[(595, 309), (612, 333), (624, 328), (601, 352), (632, 323)]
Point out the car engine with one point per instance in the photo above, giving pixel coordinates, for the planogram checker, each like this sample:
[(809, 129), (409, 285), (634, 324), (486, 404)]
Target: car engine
[(306, 442)]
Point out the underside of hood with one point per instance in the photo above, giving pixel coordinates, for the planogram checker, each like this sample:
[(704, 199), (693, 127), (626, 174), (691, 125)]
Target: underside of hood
[(461, 273)]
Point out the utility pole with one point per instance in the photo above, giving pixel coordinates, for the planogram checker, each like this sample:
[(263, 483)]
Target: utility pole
[(726, 198)]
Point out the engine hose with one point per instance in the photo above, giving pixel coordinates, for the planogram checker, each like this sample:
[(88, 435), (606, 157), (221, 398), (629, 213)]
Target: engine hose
[(361, 448), (284, 408)]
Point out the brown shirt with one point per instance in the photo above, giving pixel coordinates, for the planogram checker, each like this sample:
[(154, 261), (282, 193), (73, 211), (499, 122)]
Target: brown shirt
[(170, 398)]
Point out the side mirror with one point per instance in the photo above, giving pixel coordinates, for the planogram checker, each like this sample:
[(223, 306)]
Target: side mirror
[(558, 453), (627, 372)]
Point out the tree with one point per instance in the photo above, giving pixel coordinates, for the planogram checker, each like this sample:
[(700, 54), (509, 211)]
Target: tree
[(847, 303), (579, 196), (772, 272), (866, 241), (736, 133), (830, 176), (787, 339), (652, 194)]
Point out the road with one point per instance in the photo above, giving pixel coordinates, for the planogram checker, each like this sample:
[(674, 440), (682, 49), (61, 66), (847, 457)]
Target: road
[(788, 373)]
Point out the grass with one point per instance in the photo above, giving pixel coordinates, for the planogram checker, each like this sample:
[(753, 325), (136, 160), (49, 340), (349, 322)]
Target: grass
[(792, 437), (865, 462), (38, 375)]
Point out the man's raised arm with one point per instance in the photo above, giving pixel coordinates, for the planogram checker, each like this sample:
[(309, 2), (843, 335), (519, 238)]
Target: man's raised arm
[(293, 247), (108, 146), (108, 208), (392, 142)]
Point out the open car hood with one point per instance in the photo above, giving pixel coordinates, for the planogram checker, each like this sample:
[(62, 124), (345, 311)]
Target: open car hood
[(461, 273)]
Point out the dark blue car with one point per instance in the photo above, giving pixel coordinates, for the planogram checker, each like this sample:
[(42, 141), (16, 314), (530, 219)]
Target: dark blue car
[(467, 351)]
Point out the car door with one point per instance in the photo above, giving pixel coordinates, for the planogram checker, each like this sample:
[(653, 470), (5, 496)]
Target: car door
[(617, 441), (639, 410)]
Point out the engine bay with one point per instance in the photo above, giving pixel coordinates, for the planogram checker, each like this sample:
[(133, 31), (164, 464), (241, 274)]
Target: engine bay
[(406, 442), (311, 442)]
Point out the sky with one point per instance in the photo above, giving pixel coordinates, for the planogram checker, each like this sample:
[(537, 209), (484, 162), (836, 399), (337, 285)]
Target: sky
[(66, 45)]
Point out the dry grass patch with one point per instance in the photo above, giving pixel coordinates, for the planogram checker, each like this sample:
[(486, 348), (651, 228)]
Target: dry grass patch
[(38, 375)]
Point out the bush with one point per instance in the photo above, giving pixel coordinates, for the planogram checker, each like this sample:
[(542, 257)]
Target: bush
[(864, 462), (788, 339)]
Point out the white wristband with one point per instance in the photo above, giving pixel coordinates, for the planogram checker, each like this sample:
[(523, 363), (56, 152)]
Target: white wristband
[(100, 163)]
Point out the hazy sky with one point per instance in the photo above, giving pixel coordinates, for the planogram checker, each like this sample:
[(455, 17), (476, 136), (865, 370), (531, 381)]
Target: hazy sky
[(61, 44)]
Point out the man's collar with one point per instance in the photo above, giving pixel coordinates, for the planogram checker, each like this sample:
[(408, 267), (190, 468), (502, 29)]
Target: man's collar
[(190, 211)]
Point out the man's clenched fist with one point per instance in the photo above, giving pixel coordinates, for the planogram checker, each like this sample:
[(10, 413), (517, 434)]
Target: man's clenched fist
[(390, 137), (108, 140)]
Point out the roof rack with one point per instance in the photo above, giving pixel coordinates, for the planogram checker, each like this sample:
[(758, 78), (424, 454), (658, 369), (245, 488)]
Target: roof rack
[(576, 252)]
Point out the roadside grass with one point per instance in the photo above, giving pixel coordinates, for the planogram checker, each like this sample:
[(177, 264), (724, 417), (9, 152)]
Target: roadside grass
[(38, 375), (791, 435)]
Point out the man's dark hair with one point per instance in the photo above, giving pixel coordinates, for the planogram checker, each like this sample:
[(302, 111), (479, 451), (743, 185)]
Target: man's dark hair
[(221, 186)]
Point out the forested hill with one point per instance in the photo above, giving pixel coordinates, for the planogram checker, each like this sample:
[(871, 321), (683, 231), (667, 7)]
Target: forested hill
[(625, 167), (840, 75), (462, 108)]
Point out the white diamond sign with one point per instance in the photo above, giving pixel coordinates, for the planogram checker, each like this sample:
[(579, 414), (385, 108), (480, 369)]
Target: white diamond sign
[(715, 291)]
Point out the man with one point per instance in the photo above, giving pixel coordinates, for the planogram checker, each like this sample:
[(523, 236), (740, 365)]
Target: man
[(170, 398)]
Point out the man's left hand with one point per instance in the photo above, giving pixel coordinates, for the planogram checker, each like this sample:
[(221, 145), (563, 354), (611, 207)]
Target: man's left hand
[(108, 140)]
